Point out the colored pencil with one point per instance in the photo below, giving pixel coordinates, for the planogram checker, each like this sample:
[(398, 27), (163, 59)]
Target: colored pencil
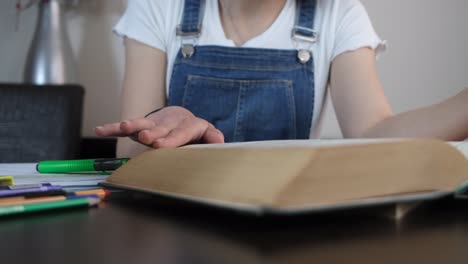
[(24, 186), (46, 206), (37, 190), (24, 200), (100, 192)]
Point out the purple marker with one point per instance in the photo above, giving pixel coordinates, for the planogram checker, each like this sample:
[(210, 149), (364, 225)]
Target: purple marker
[(71, 197), (24, 186), (37, 190)]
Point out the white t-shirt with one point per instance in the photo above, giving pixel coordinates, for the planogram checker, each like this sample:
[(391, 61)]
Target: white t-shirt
[(343, 25)]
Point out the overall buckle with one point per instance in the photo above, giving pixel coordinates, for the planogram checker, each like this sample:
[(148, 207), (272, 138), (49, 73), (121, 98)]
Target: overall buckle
[(301, 35), (189, 41)]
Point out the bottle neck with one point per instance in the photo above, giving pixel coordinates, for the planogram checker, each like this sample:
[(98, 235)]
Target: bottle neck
[(51, 17)]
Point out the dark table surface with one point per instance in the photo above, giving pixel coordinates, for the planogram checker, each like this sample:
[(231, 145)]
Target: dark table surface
[(142, 230)]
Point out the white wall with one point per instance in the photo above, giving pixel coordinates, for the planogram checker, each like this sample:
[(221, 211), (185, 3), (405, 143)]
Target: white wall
[(426, 61), (99, 53), (427, 56)]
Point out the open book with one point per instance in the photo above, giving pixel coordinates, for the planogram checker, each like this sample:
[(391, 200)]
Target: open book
[(300, 175)]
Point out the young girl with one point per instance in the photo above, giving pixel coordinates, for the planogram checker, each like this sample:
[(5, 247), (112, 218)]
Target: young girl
[(242, 70)]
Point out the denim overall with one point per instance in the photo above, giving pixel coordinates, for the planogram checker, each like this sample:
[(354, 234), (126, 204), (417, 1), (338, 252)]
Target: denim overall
[(247, 93)]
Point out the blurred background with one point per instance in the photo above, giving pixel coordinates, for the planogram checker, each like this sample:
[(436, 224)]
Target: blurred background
[(426, 61)]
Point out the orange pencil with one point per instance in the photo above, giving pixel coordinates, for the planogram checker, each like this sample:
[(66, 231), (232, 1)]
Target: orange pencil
[(23, 200), (11, 199), (99, 192)]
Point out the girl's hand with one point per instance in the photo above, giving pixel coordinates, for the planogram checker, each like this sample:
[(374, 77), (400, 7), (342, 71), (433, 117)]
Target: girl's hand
[(168, 128)]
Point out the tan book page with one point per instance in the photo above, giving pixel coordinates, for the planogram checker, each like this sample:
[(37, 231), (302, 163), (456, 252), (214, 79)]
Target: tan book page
[(364, 171), (296, 176), (190, 173), (239, 175)]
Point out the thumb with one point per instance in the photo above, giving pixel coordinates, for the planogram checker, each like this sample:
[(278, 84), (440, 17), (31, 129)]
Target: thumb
[(213, 135)]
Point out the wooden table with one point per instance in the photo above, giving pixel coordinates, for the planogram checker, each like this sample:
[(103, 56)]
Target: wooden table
[(142, 230)]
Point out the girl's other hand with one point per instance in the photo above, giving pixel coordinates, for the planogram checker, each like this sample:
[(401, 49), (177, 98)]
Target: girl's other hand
[(168, 128)]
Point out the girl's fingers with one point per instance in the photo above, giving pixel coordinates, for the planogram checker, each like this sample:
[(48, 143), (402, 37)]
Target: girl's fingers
[(191, 129), (125, 128), (107, 130), (134, 137), (176, 138), (213, 135), (170, 134), (134, 126), (147, 137)]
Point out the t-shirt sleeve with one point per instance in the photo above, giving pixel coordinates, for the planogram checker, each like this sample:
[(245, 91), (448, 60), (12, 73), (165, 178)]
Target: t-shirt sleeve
[(143, 21), (355, 30)]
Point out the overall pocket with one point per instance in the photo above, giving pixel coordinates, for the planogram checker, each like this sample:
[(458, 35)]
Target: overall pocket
[(244, 110)]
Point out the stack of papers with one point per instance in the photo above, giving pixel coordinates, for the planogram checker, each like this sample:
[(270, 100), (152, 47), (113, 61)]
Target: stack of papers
[(25, 173), (462, 146)]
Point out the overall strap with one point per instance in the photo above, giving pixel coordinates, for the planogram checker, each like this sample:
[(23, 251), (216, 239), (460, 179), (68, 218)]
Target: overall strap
[(303, 31), (190, 26)]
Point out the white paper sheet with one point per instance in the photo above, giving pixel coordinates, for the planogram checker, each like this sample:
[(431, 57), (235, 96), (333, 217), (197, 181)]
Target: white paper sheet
[(25, 173), (462, 146)]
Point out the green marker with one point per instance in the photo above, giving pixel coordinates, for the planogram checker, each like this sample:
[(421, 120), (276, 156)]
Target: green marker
[(30, 208), (87, 165)]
